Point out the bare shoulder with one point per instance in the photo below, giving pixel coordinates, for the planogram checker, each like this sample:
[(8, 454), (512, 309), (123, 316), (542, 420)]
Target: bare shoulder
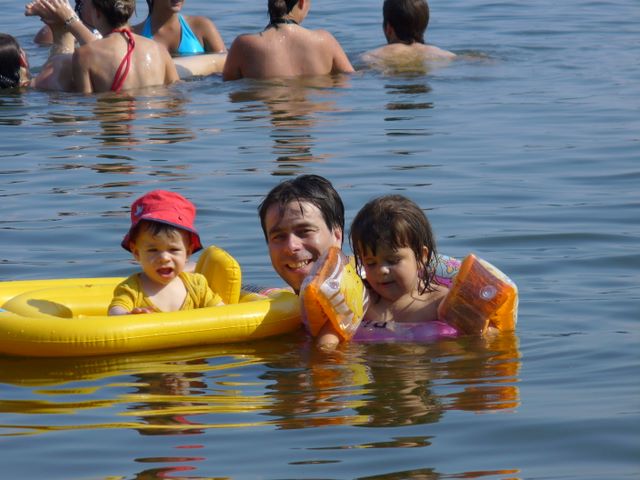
[(431, 52), (55, 74), (149, 45), (247, 40), (330, 46), (325, 37), (438, 294), (398, 57), (84, 51), (241, 51), (247, 44)]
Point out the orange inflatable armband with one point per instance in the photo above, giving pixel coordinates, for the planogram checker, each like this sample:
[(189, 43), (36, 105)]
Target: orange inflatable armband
[(481, 296), (333, 292)]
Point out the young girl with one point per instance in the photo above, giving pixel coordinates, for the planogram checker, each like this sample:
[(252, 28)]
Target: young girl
[(162, 238), (395, 247)]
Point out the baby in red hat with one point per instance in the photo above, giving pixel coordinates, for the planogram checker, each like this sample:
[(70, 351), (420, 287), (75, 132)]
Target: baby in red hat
[(162, 237)]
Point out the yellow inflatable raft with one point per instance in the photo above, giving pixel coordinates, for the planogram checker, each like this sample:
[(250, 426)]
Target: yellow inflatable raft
[(68, 317)]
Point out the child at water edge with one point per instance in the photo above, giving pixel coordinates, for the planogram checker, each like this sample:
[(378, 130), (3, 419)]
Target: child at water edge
[(404, 23), (161, 238)]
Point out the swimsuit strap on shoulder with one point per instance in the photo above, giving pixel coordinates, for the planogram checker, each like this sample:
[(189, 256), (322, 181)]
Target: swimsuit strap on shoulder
[(125, 65)]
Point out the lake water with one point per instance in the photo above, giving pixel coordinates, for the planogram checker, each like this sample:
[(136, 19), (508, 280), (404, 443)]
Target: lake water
[(525, 151)]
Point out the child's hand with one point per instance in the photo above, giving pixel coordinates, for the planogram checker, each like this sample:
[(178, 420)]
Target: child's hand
[(138, 310)]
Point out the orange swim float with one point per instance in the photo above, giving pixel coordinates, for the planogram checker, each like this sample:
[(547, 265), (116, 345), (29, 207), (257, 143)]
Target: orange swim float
[(333, 291), (480, 296)]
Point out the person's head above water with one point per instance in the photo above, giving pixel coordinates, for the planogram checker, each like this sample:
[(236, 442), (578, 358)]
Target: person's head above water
[(301, 218), (173, 5), (116, 12), (287, 11), (389, 224), (405, 21), (280, 8), (14, 68)]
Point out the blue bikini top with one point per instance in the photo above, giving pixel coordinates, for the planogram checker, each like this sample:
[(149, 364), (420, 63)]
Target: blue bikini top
[(189, 43)]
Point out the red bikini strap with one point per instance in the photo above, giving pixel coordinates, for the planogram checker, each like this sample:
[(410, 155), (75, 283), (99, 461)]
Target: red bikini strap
[(125, 65)]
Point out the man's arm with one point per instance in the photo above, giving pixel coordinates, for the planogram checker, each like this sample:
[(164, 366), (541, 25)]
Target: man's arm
[(328, 338)]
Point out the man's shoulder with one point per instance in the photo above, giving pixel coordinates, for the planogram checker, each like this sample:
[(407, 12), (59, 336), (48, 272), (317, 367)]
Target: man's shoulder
[(399, 52)]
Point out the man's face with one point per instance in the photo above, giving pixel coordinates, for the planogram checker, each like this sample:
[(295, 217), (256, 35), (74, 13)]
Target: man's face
[(296, 239)]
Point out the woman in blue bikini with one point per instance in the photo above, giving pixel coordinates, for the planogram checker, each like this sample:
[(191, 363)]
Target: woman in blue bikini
[(182, 35)]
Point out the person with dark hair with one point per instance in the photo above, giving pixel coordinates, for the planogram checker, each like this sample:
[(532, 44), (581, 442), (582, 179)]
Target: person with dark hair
[(285, 48), (14, 67), (301, 219), (122, 59), (181, 34), (108, 63), (55, 74), (404, 24), (64, 23), (395, 248)]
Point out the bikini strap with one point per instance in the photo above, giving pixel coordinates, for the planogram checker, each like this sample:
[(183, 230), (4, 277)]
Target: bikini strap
[(125, 65), (281, 21)]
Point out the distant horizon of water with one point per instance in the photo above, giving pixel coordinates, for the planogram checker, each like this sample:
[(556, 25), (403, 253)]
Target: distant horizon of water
[(524, 151)]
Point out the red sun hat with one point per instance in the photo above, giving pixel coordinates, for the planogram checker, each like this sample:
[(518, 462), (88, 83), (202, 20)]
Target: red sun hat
[(164, 207)]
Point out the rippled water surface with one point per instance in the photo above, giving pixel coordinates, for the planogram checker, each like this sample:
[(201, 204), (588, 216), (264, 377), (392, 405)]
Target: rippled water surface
[(525, 151)]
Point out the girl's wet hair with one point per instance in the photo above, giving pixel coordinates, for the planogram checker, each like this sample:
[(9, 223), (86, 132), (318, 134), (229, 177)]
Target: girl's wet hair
[(409, 19), (394, 221), (9, 61), (279, 8), (118, 12)]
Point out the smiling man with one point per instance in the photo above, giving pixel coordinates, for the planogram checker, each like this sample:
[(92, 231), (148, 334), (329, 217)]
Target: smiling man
[(301, 218)]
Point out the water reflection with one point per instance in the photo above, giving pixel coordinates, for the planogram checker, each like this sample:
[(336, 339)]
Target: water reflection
[(288, 384), (292, 107), (164, 399), (406, 94), (432, 474), (283, 383), (11, 108), (129, 121)]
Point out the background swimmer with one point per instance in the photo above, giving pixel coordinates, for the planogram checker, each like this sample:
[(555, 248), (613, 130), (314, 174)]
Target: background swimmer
[(285, 48), (181, 34), (120, 60), (405, 23), (14, 67), (16, 73)]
